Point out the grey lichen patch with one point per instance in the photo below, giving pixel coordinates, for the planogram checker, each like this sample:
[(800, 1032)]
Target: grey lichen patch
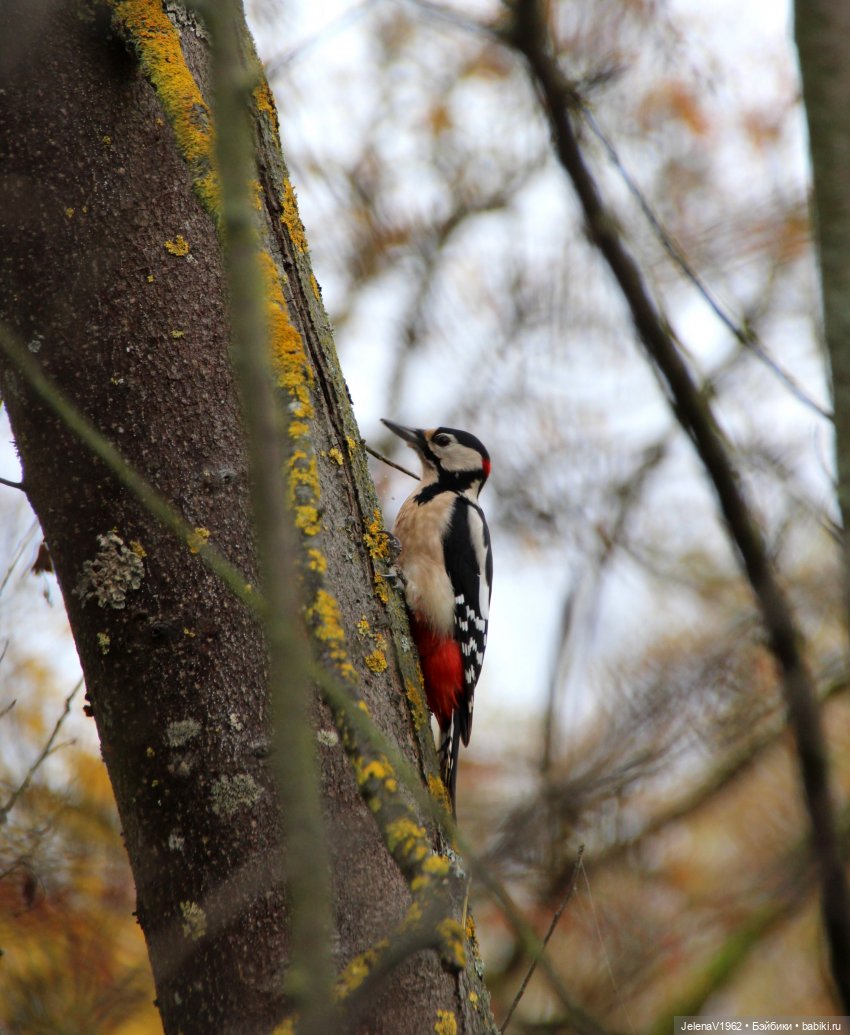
[(194, 920), (176, 841), (232, 793), (329, 738), (181, 732), (115, 571), (184, 767), (179, 15)]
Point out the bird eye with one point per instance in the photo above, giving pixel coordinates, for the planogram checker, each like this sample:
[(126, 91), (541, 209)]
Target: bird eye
[(441, 440)]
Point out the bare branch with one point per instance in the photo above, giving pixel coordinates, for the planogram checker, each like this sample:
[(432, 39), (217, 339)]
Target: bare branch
[(571, 887), (744, 334), (389, 463), (49, 747), (18, 554)]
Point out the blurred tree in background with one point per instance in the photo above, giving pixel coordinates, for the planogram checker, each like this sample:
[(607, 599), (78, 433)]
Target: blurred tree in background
[(629, 704)]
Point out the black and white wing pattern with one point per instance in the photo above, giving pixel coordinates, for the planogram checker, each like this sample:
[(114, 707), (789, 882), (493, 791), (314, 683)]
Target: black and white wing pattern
[(469, 562)]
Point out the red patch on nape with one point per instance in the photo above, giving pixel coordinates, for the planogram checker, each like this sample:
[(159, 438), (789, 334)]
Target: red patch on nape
[(442, 669), (485, 463)]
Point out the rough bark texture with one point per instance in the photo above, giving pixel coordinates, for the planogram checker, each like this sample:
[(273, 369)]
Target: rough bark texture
[(110, 272)]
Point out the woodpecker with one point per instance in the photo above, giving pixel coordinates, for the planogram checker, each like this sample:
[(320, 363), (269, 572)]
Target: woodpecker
[(447, 566)]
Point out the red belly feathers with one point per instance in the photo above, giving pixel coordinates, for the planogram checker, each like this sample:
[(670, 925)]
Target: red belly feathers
[(442, 667)]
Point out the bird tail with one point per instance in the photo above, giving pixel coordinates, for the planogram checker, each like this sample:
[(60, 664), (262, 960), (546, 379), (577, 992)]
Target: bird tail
[(449, 748)]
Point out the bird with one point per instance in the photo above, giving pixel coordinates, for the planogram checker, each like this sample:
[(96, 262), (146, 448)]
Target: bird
[(446, 567)]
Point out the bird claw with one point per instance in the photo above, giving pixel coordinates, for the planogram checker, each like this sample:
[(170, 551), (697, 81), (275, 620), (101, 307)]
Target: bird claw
[(395, 576)]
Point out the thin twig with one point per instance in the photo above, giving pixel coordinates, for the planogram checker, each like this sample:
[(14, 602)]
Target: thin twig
[(42, 755), (389, 463), (440, 13), (744, 335), (21, 547), (13, 485), (579, 1019), (608, 966), (571, 887)]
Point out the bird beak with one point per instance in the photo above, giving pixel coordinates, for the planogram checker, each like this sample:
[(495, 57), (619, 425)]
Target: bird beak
[(412, 436)]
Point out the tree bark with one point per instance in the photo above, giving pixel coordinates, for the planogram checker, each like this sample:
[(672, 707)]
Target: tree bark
[(111, 274)]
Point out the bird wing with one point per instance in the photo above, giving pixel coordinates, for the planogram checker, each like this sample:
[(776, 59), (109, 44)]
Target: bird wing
[(470, 571)]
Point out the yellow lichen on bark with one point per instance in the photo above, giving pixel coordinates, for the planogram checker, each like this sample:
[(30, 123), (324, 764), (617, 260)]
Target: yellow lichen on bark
[(157, 42), (317, 561), (358, 970), (325, 615), (264, 103), (289, 356), (377, 542), (376, 538), (381, 591), (198, 539), (291, 219), (451, 937), (324, 618), (415, 695), (408, 837), (437, 866), (179, 246), (438, 791), (303, 472), (446, 1023), (308, 519), (376, 661)]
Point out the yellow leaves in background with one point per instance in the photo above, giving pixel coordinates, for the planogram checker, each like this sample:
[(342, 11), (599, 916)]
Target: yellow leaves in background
[(74, 958)]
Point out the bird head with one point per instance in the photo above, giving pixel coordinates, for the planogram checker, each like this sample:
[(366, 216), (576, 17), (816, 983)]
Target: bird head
[(448, 455)]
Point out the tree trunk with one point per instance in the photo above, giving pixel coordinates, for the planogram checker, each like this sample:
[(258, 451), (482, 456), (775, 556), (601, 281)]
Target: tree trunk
[(110, 273), (822, 33)]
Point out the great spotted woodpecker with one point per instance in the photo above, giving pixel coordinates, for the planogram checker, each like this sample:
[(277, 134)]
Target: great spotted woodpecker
[(447, 566)]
